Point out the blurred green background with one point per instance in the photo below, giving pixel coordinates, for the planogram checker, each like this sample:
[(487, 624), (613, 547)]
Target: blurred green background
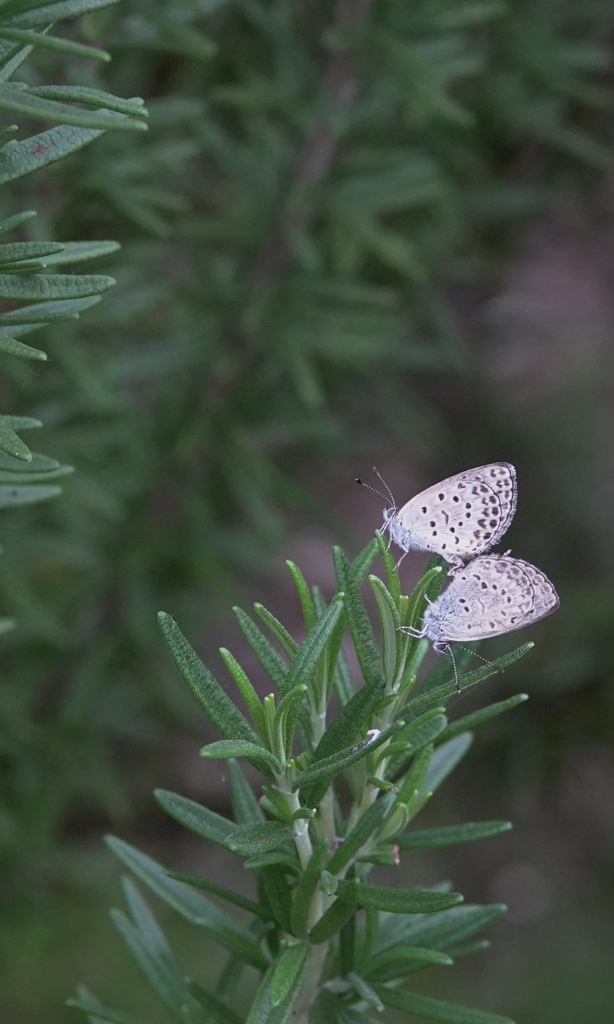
[(363, 232)]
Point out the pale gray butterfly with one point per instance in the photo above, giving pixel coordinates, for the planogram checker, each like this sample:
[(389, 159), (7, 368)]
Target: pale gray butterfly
[(492, 595), (459, 518)]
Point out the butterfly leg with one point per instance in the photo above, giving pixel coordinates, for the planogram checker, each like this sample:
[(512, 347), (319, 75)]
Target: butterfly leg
[(417, 634), (441, 647), (400, 559), (458, 685)]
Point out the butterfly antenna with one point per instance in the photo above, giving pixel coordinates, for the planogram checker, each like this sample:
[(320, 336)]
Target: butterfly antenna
[(374, 489), (476, 655), (393, 503)]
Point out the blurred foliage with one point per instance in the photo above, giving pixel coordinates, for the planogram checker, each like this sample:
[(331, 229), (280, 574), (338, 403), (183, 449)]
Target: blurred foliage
[(34, 295), (318, 182)]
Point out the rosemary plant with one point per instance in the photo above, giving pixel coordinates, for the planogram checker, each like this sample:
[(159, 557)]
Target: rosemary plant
[(341, 795)]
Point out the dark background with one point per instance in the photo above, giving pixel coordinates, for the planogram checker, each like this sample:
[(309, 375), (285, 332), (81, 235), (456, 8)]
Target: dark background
[(356, 233)]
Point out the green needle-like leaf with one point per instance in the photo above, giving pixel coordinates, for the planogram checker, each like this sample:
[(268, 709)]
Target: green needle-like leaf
[(439, 693), (287, 861), (24, 423), (402, 960), (445, 759), (429, 585), (435, 1009), (414, 779), (260, 837), (217, 890), (147, 944), (245, 807), (40, 12), (14, 252), (47, 42), (279, 632), (392, 639), (360, 834), (324, 770), (312, 648), (247, 691), (447, 929), (303, 593), (336, 916), (350, 721), (424, 729), (343, 682), (18, 99), (192, 905), (289, 966), (78, 252), (450, 835), (272, 663), (37, 151), (91, 97), (97, 1012), (264, 1011), (403, 901), (392, 575), (37, 463), (276, 803), (223, 749), (12, 444), (287, 713), (203, 685), (47, 287), (13, 347), (27, 318), (18, 495), (483, 715), (364, 560), (195, 817), (359, 625), (306, 888)]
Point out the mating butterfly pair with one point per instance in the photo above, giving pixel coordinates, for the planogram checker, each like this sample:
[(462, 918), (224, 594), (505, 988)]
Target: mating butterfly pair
[(461, 519)]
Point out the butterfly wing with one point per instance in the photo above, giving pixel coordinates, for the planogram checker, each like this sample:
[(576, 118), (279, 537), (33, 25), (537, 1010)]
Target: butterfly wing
[(494, 594), (462, 516)]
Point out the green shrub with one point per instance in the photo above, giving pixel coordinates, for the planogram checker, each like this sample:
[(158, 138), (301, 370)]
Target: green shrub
[(341, 796)]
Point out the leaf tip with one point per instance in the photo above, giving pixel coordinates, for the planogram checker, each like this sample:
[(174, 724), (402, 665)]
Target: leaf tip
[(165, 621), (112, 842)]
